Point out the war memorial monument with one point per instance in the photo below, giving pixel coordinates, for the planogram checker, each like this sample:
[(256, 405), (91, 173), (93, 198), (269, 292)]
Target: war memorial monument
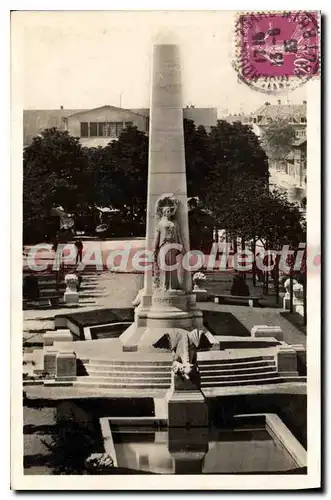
[(166, 352)]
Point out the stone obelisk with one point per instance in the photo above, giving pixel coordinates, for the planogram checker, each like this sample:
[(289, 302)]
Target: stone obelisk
[(160, 310), (167, 170)]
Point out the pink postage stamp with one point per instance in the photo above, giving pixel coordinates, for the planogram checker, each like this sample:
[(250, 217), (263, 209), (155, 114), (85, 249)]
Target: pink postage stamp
[(277, 51)]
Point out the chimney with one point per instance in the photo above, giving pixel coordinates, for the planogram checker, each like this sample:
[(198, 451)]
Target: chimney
[(279, 102)]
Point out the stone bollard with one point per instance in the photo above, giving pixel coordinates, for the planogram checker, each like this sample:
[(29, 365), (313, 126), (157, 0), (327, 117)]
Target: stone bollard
[(200, 293), (298, 298), (287, 296), (71, 296), (287, 364), (50, 363), (66, 366), (52, 336), (267, 331)]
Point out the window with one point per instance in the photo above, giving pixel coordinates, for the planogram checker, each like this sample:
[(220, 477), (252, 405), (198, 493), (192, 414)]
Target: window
[(119, 128), (303, 119), (111, 129), (93, 129), (101, 129), (84, 129)]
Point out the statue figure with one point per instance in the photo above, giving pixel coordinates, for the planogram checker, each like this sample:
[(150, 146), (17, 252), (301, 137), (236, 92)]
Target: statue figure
[(184, 346), (167, 233)]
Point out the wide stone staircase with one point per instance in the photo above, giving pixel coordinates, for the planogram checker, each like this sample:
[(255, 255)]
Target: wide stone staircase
[(51, 292), (256, 370)]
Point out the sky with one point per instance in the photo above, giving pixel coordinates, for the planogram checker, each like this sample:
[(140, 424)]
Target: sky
[(87, 59)]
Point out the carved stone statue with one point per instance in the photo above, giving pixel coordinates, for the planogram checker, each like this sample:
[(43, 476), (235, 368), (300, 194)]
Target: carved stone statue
[(184, 346), (167, 234)]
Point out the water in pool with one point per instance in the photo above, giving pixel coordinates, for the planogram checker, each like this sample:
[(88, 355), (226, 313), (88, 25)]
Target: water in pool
[(206, 451)]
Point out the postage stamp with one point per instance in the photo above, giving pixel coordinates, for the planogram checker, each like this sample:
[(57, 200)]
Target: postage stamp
[(277, 52)]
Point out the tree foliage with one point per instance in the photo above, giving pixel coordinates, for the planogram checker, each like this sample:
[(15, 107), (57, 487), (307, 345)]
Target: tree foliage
[(278, 137), (227, 172), (54, 169)]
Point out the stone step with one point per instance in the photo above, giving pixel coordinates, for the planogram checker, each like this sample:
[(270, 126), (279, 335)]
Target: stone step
[(51, 283), (237, 371), (129, 362), (261, 381), (203, 363), (162, 385), (236, 366), (236, 361), (50, 293), (230, 383), (127, 379), (122, 385), (152, 370), (166, 378), (205, 380), (155, 370)]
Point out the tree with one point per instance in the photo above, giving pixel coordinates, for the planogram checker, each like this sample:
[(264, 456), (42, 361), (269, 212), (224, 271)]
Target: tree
[(54, 173), (280, 221), (235, 149), (127, 176), (277, 138), (246, 208), (236, 176), (197, 158), (227, 172)]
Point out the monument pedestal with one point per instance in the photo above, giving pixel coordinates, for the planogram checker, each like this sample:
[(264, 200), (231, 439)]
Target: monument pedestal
[(186, 404), (158, 315)]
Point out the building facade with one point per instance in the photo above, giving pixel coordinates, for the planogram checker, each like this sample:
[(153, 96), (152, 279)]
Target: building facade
[(288, 173), (99, 126)]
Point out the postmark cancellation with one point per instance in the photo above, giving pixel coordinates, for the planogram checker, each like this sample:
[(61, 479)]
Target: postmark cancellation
[(277, 52)]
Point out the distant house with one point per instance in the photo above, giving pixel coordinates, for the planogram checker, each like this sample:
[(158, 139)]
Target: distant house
[(296, 114), (289, 174), (99, 126)]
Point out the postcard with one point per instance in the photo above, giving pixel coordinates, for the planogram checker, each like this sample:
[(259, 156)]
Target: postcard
[(166, 258)]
